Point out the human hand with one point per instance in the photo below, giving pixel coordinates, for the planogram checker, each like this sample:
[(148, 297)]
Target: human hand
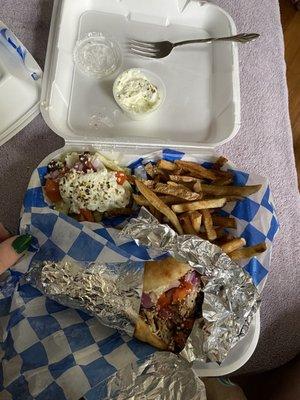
[(12, 248)]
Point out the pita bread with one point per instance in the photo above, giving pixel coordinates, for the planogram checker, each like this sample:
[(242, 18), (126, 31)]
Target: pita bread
[(144, 334), (158, 274), (162, 273)]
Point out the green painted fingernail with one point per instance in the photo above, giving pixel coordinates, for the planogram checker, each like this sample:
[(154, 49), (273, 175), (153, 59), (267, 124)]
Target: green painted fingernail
[(22, 243)]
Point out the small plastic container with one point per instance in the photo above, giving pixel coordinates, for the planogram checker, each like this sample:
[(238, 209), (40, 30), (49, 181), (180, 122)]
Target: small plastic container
[(97, 55), (153, 79)]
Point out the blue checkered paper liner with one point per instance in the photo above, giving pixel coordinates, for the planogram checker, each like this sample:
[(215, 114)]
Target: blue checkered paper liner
[(49, 351)]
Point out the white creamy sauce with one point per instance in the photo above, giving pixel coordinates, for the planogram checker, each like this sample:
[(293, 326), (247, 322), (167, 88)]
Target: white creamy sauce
[(135, 92), (94, 191)]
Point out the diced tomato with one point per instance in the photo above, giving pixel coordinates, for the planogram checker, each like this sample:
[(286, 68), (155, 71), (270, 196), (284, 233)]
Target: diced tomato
[(181, 292), (86, 215), (163, 301), (52, 190), (121, 177)]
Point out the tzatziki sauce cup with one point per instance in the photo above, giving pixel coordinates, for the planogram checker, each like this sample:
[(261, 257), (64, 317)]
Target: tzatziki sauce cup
[(139, 92)]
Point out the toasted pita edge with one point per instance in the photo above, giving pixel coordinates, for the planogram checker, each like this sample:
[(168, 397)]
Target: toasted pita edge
[(144, 333), (162, 273)]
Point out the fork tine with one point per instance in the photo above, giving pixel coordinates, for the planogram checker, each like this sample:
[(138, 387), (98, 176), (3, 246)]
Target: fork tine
[(144, 53), (142, 43), (145, 49)]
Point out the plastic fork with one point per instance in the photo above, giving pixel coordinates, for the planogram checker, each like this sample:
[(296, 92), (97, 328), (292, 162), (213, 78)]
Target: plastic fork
[(163, 49)]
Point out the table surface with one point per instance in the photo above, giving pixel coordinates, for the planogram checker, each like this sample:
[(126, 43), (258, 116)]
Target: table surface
[(263, 145)]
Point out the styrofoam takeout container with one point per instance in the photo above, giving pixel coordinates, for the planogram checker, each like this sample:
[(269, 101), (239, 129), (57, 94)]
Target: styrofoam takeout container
[(202, 81), (20, 85), (202, 106)]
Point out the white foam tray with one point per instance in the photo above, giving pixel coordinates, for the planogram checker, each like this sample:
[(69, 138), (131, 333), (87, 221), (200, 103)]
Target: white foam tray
[(202, 107)]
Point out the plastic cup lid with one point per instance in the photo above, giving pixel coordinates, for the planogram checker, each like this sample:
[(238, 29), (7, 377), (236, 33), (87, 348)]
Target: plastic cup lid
[(20, 85)]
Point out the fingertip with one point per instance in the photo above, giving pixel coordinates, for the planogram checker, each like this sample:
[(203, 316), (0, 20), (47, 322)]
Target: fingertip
[(4, 233)]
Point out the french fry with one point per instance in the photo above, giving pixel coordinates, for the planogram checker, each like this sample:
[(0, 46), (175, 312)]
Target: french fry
[(248, 252), (110, 164), (199, 205), (208, 224), (197, 170), (196, 219), (159, 205), (166, 165), (225, 222), (151, 170), (187, 225), (183, 179), (168, 199), (223, 181), (220, 162), (233, 245), (228, 198), (130, 179), (177, 185), (197, 187), (149, 183), (177, 191), (221, 233), (224, 238), (223, 174), (141, 200), (230, 190)]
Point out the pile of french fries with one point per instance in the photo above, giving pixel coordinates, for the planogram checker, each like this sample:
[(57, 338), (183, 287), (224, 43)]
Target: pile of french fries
[(188, 196)]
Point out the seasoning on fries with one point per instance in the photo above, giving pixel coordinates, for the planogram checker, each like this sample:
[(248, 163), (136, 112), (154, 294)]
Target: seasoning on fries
[(177, 191)]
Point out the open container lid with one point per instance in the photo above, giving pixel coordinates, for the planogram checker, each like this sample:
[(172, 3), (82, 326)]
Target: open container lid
[(80, 109), (20, 85)]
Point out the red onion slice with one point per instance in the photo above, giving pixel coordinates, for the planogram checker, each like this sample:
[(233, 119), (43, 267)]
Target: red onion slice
[(192, 277), (146, 301)]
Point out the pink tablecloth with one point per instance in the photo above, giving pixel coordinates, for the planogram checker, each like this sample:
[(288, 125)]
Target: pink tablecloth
[(263, 145)]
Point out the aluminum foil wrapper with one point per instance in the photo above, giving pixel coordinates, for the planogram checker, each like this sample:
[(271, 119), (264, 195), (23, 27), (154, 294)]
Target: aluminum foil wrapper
[(163, 376), (230, 297), (110, 292)]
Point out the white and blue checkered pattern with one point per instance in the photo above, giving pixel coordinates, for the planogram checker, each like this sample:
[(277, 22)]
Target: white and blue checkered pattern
[(49, 351)]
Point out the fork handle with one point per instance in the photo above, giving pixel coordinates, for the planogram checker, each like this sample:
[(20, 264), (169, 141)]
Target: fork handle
[(241, 38)]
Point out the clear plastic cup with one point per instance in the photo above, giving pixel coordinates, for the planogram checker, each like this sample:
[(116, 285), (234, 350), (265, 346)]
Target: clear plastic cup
[(98, 55), (152, 78)]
